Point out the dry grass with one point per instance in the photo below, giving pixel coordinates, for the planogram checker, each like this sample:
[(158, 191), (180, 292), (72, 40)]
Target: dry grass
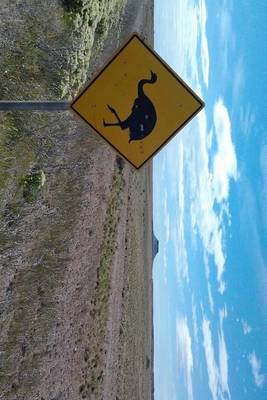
[(136, 339), (34, 228), (95, 357)]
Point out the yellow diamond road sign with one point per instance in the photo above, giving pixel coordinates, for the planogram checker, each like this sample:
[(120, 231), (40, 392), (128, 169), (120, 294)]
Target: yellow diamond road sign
[(137, 103)]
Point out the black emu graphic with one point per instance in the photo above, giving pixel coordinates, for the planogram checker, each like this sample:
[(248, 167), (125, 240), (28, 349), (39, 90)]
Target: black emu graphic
[(143, 118)]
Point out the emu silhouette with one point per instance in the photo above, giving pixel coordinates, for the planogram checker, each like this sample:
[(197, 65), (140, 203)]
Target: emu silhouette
[(143, 117)]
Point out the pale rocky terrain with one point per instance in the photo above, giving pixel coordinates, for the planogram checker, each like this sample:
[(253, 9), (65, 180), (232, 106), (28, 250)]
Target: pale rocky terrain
[(76, 220)]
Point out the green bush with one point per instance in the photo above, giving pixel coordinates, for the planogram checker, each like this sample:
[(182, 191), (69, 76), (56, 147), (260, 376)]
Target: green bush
[(32, 184)]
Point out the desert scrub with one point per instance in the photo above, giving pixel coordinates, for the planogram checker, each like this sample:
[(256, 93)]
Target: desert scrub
[(108, 245), (94, 359), (8, 134), (16, 152), (33, 60), (32, 298), (90, 21), (32, 184)]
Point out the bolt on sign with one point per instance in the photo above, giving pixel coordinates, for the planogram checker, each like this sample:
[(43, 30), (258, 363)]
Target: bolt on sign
[(137, 103)]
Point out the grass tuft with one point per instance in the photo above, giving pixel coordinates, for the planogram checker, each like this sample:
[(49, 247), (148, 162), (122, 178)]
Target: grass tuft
[(32, 183)]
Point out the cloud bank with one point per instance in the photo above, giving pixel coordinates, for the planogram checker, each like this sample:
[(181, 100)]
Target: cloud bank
[(209, 182), (217, 372), (184, 353), (259, 378), (246, 327)]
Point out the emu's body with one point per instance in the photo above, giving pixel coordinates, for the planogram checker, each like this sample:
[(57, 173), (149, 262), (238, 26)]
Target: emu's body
[(143, 117)]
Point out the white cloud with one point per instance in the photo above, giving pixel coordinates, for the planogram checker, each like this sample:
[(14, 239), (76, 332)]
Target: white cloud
[(225, 20), (246, 327), (166, 217), (217, 373), (188, 14), (175, 166), (207, 273), (259, 378), (181, 252), (181, 179), (184, 353), (210, 298), (213, 373), (247, 119), (223, 356), (209, 183), (205, 62), (226, 34), (172, 154), (209, 177), (181, 258), (167, 227), (165, 266), (194, 317), (186, 55), (225, 163), (159, 188), (238, 79)]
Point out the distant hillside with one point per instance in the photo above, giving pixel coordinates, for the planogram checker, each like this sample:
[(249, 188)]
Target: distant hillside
[(155, 245)]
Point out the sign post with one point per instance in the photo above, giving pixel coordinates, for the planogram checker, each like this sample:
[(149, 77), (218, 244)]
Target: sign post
[(34, 105)]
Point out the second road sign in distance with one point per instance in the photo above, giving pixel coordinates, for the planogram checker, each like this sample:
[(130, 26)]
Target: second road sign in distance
[(137, 103)]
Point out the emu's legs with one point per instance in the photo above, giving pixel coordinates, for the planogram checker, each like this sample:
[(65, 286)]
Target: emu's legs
[(116, 115), (110, 124)]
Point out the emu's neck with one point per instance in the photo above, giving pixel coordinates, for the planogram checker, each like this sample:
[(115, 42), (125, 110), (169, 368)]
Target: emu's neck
[(141, 84)]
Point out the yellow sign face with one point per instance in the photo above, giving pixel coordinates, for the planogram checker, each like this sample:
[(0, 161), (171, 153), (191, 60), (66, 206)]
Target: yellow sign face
[(137, 103)]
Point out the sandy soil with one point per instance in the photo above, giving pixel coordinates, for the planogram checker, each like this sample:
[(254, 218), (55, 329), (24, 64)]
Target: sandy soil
[(76, 265)]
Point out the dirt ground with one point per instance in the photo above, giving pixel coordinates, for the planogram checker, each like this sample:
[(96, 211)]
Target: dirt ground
[(76, 254)]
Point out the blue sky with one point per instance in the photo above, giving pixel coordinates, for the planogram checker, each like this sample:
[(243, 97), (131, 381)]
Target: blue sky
[(210, 213)]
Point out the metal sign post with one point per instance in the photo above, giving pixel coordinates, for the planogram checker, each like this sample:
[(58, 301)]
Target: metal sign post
[(11, 105)]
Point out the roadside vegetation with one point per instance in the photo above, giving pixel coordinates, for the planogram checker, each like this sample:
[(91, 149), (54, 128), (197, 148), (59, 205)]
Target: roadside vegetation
[(95, 356), (38, 189), (90, 21)]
